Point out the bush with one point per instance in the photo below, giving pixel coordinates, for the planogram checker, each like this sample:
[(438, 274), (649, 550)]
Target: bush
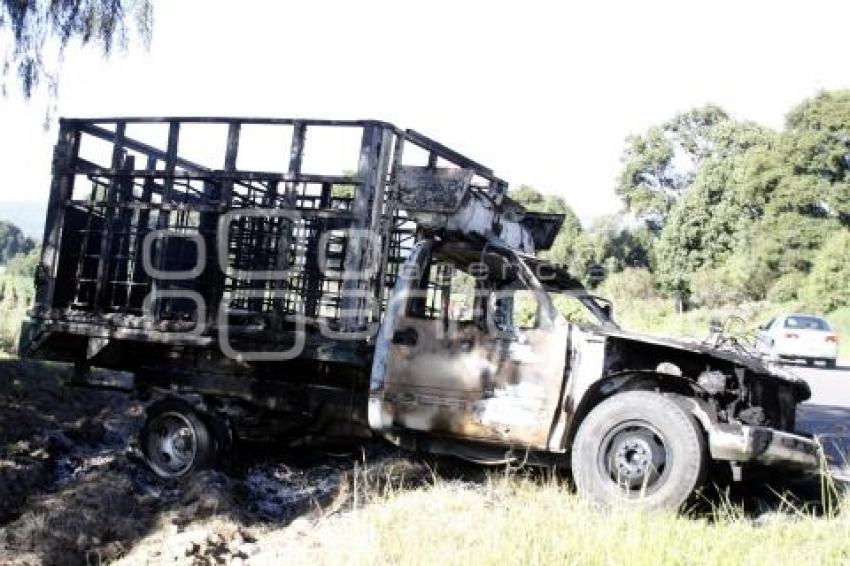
[(712, 288), (24, 265), (828, 285), (787, 288), (16, 296), (840, 321), (629, 285)]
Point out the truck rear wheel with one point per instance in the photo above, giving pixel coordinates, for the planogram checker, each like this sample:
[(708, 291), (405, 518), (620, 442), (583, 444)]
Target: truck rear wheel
[(639, 448), (175, 440)]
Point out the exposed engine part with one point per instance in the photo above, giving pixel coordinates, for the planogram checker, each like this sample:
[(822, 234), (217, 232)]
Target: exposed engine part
[(669, 368), (712, 381), (752, 416)]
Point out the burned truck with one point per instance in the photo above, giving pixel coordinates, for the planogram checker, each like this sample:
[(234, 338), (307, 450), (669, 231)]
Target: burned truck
[(256, 288)]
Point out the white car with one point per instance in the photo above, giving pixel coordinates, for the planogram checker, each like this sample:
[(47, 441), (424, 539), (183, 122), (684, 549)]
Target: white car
[(799, 337)]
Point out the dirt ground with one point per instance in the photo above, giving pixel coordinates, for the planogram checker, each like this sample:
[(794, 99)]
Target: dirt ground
[(71, 492)]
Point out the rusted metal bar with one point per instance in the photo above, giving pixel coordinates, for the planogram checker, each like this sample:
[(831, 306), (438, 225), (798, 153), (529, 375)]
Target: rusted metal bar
[(160, 252), (315, 275), (119, 156), (377, 223), (226, 120), (388, 224), (88, 168), (121, 261), (296, 155), (148, 150), (170, 165), (440, 150), (296, 150), (61, 188), (213, 278), (230, 162), (142, 219), (353, 281)]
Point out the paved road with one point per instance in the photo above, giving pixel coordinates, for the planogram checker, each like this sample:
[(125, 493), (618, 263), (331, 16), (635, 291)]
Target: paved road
[(827, 413)]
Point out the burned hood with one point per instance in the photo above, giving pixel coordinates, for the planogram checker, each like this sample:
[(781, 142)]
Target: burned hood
[(741, 358)]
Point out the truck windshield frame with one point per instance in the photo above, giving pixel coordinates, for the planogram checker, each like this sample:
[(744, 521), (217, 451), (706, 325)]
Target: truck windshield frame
[(555, 279)]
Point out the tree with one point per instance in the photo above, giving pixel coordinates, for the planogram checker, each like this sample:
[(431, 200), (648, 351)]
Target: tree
[(704, 226), (826, 286), (609, 246), (818, 136), (13, 242), (659, 165), (563, 248), (738, 211), (24, 264), (34, 28), (747, 218), (629, 286)]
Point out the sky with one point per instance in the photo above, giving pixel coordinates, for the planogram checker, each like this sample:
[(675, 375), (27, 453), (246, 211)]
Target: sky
[(544, 93)]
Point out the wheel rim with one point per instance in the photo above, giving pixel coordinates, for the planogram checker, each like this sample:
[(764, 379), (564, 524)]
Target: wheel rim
[(171, 444), (634, 456)]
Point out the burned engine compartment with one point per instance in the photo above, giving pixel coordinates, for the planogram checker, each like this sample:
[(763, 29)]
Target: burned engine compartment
[(736, 387)]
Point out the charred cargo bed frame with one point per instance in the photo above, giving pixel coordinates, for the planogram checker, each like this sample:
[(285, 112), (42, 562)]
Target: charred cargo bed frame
[(123, 194)]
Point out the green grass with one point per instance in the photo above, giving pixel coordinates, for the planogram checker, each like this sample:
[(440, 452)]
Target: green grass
[(520, 521)]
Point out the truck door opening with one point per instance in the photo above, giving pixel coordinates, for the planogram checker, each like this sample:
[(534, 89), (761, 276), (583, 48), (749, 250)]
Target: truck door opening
[(477, 351)]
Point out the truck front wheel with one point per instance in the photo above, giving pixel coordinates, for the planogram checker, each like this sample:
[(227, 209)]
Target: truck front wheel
[(639, 448), (175, 440)]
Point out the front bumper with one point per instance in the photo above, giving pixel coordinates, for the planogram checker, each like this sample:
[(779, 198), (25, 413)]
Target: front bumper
[(760, 445)]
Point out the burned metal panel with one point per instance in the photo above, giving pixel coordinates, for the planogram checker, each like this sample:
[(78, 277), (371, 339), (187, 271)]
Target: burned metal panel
[(543, 228), (475, 385), (431, 189), (444, 201), (585, 368)]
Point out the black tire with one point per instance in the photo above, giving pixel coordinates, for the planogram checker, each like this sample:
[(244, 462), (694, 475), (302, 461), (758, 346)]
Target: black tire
[(648, 442), (170, 423), (830, 364)]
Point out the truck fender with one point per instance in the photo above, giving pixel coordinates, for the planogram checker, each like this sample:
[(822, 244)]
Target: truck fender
[(640, 381)]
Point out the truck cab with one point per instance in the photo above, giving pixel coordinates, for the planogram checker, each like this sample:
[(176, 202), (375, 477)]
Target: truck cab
[(496, 356), (473, 349)]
